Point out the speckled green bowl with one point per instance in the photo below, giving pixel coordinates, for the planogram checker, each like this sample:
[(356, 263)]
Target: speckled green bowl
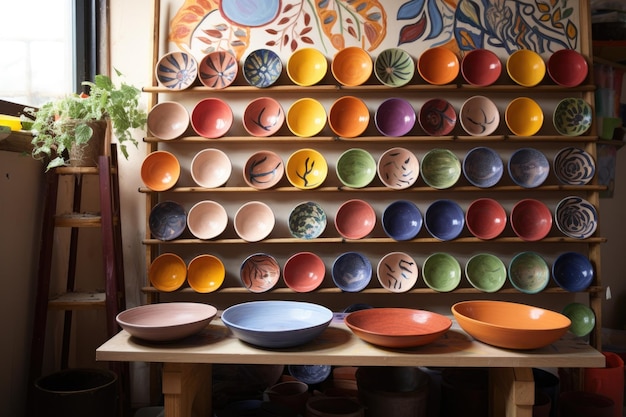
[(486, 272), (441, 168), (356, 168), (441, 272)]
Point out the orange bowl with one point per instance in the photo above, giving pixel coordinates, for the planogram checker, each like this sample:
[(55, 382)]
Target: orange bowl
[(160, 170), (438, 65), (167, 272), (348, 117), (205, 273), (523, 116), (510, 325), (352, 66), (397, 327)]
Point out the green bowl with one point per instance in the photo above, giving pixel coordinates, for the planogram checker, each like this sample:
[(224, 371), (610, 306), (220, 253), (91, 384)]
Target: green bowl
[(441, 168), (582, 317), (356, 168), (441, 272), (529, 272), (486, 272)]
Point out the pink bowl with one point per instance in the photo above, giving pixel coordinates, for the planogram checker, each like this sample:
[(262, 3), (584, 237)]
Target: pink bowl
[(211, 118), (218, 69), (355, 219), (304, 272), (481, 67), (567, 67), (531, 219), (485, 218), (263, 116)]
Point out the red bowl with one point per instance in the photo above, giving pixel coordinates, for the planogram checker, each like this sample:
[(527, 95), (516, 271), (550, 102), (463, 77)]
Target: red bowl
[(211, 118), (485, 218), (355, 219), (304, 272), (531, 219), (481, 67), (567, 67)]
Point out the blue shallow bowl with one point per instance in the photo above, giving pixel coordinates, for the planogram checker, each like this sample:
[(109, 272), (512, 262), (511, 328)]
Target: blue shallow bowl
[(277, 324), (444, 219), (572, 271), (351, 272), (402, 220)]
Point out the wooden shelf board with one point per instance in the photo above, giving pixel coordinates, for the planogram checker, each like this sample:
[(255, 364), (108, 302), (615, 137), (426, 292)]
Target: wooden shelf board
[(78, 301), (78, 220)]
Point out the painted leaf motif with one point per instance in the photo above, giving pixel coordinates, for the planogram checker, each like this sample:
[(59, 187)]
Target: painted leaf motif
[(436, 19), (410, 33), (410, 10), (469, 12)]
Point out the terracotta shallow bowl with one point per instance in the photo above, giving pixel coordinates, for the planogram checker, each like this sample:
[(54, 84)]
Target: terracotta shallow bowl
[(307, 220), (164, 322), (402, 220), (351, 66), (304, 272), (207, 219), (177, 70), (483, 167), (263, 170), (583, 318), (348, 117), (168, 120), (397, 272), (481, 67), (440, 168), (254, 221), (355, 219), (485, 218), (277, 324), (397, 327), (395, 117), (398, 168), (210, 168), (307, 66), (394, 67), (528, 167), (167, 272), (160, 170), (259, 272), (523, 116), (306, 117), (262, 68), (444, 219), (572, 116), (531, 219), (567, 67), (211, 118), (437, 117), (205, 273), (529, 272), (526, 68), (574, 166), (510, 325), (486, 272), (351, 271), (263, 117), (167, 220), (442, 272), (479, 116), (356, 168), (576, 217), (573, 271), (218, 69), (438, 65), (306, 169)]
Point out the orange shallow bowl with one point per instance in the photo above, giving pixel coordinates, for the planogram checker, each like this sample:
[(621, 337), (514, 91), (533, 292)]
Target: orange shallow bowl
[(510, 325), (438, 65), (397, 327)]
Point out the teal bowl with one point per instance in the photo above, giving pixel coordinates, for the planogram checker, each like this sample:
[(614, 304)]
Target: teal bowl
[(440, 168), (356, 168)]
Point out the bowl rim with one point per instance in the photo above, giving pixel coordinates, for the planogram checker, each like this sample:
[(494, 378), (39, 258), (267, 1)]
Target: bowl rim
[(324, 311), (160, 205)]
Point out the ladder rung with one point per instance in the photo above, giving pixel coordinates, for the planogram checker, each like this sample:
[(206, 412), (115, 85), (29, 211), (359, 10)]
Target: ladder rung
[(78, 220), (78, 301)]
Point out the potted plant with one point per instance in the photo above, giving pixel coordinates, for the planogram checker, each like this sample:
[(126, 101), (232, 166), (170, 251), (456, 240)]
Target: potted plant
[(64, 128)]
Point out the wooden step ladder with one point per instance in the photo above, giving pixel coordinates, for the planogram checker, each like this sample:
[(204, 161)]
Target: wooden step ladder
[(113, 298)]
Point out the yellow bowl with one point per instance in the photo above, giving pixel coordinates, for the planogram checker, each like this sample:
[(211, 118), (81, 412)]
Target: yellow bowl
[(307, 66), (306, 169), (524, 116), (167, 272), (205, 273), (352, 66), (526, 68), (306, 117)]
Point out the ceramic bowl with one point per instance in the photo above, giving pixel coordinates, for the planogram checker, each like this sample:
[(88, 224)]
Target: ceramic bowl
[(510, 325), (210, 168), (164, 322), (205, 273), (574, 166), (440, 168), (397, 272), (486, 272), (167, 220), (259, 272), (356, 168), (525, 67), (567, 67), (572, 116), (177, 70), (394, 67), (576, 217), (528, 167), (211, 118), (398, 168), (218, 69), (351, 272), (167, 272), (355, 219), (263, 116), (348, 117), (479, 116), (582, 317), (351, 66), (483, 167), (277, 324), (395, 117), (437, 117), (523, 116), (529, 272), (441, 272), (254, 221), (481, 67), (402, 220), (397, 327), (306, 117), (306, 169), (207, 219), (485, 218), (262, 68), (168, 120), (573, 271), (444, 219), (263, 170), (160, 170), (304, 272), (307, 220), (531, 219), (310, 374), (438, 65), (306, 66)]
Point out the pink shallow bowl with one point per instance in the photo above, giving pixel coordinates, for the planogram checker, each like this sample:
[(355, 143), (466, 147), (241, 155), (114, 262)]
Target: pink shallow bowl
[(166, 321), (168, 120), (485, 218), (348, 117), (352, 66), (304, 272), (481, 67), (167, 272), (207, 219), (205, 273), (531, 219), (211, 118), (567, 67), (218, 69), (160, 170), (254, 221), (397, 327), (438, 65), (355, 219), (263, 117)]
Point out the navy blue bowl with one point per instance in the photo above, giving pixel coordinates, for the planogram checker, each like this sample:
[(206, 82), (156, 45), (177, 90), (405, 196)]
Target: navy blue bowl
[(351, 272), (444, 219), (402, 220), (167, 220), (572, 271)]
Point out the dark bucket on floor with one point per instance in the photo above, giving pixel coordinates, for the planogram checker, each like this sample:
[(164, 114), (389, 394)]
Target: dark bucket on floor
[(77, 393)]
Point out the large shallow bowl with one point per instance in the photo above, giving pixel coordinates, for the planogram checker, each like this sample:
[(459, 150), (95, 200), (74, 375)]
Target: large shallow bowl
[(306, 169), (304, 272), (567, 67), (166, 321), (356, 168), (479, 116), (531, 219), (510, 325), (444, 219), (259, 272), (355, 219), (160, 170), (177, 70), (573, 271), (306, 117), (528, 167), (262, 68), (529, 272), (307, 220), (394, 67), (348, 117), (397, 272), (167, 220), (351, 272), (526, 68), (263, 170), (437, 117), (438, 65), (523, 116), (441, 168), (397, 327), (574, 166), (572, 116), (398, 168), (210, 168), (485, 272), (351, 66), (205, 273), (395, 117), (277, 324), (402, 220), (576, 217), (442, 272), (168, 120), (263, 116), (483, 167), (167, 272), (218, 69), (481, 67), (307, 66), (211, 117)]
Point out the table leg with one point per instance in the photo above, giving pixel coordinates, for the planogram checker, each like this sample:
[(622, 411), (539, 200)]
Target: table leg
[(511, 392), (187, 389)]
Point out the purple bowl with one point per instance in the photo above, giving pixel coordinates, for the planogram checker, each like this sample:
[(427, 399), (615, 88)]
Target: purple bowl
[(395, 117)]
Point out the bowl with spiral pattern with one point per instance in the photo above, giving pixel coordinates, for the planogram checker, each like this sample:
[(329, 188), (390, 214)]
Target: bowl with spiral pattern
[(574, 166), (394, 67), (307, 220), (576, 217)]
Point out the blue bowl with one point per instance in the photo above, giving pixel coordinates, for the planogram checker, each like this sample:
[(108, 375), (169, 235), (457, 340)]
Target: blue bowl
[(167, 220), (444, 219), (528, 167), (310, 374), (277, 324), (402, 220), (351, 272), (483, 167), (572, 271)]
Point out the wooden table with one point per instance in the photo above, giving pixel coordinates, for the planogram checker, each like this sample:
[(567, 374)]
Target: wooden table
[(187, 364)]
